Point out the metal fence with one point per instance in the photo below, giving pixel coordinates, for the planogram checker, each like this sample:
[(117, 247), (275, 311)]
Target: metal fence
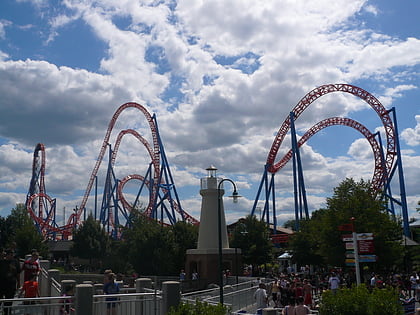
[(35, 306), (237, 297), (129, 303)]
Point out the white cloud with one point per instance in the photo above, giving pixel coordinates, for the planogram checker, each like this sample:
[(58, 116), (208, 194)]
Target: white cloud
[(230, 121), (3, 25), (371, 9), (412, 135), (395, 92)]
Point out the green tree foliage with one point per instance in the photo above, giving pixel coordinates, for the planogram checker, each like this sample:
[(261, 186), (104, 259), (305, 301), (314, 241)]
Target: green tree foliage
[(358, 300), (90, 241), (184, 236), (117, 259), (155, 249), (253, 238), (18, 231), (290, 224), (199, 308), (319, 240)]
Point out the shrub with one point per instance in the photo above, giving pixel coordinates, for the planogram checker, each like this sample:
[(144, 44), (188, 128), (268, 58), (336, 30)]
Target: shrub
[(199, 308), (358, 300)]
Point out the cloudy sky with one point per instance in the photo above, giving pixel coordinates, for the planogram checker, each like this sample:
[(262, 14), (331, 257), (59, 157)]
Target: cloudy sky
[(221, 77)]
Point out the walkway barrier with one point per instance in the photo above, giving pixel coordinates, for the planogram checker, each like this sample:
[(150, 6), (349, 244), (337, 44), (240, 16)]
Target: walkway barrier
[(86, 302), (35, 306), (238, 297)]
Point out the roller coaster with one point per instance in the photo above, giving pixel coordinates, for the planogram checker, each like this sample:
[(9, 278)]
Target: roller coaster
[(115, 210), (163, 204), (386, 164)]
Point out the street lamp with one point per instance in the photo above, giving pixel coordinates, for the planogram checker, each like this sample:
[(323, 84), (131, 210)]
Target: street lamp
[(235, 197)]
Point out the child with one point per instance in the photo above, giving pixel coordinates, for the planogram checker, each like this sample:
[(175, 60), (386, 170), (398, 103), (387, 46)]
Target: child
[(30, 288), (66, 308)]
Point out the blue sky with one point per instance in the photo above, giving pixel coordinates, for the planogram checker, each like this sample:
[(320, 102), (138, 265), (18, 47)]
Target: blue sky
[(220, 85)]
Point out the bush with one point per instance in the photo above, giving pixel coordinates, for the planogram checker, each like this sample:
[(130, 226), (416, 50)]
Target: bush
[(358, 300), (199, 308)]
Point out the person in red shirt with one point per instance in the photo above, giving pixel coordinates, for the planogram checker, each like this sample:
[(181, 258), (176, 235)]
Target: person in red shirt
[(31, 266), (30, 289)]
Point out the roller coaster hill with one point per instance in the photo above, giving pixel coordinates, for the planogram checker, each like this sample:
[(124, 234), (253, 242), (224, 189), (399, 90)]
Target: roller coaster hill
[(158, 187)]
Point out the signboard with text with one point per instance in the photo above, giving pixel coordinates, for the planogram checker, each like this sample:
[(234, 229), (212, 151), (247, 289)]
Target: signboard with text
[(365, 248)]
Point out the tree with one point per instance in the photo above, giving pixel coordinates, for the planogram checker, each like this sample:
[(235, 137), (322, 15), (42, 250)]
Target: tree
[(323, 239), (290, 224), (90, 241), (149, 246), (184, 236), (19, 231), (253, 238)]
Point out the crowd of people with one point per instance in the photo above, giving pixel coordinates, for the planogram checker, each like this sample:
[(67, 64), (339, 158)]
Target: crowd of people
[(292, 293), (298, 293)]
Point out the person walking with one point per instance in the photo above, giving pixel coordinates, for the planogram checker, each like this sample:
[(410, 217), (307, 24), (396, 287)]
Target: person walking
[(261, 297), (9, 278), (300, 308), (307, 293), (289, 309), (275, 292), (30, 289), (31, 266), (334, 283), (111, 287)]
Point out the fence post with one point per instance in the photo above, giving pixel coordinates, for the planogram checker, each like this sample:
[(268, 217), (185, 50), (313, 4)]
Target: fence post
[(141, 284), (84, 299), (171, 295), (52, 274)]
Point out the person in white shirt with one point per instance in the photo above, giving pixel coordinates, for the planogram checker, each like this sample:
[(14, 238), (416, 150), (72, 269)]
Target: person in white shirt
[(261, 296), (334, 282)]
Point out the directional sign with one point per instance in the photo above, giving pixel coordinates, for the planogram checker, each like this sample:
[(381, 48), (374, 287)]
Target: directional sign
[(366, 246), (368, 258), (350, 254), (365, 236), (347, 237), (349, 245)]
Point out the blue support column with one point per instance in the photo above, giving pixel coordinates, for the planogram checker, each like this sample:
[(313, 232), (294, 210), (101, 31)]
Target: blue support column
[(404, 209)]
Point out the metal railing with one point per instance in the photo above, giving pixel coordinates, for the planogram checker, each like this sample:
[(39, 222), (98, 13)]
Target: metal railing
[(237, 297), (129, 303), (35, 306)]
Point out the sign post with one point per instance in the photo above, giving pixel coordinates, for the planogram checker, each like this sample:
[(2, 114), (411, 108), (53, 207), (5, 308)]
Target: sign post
[(356, 257), (351, 243)]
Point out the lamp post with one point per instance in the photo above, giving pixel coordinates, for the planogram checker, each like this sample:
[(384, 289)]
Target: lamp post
[(235, 196)]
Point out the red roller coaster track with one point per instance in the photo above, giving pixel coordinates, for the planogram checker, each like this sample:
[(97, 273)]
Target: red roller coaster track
[(74, 219), (154, 153), (378, 175), (39, 205), (364, 95), (330, 88)]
